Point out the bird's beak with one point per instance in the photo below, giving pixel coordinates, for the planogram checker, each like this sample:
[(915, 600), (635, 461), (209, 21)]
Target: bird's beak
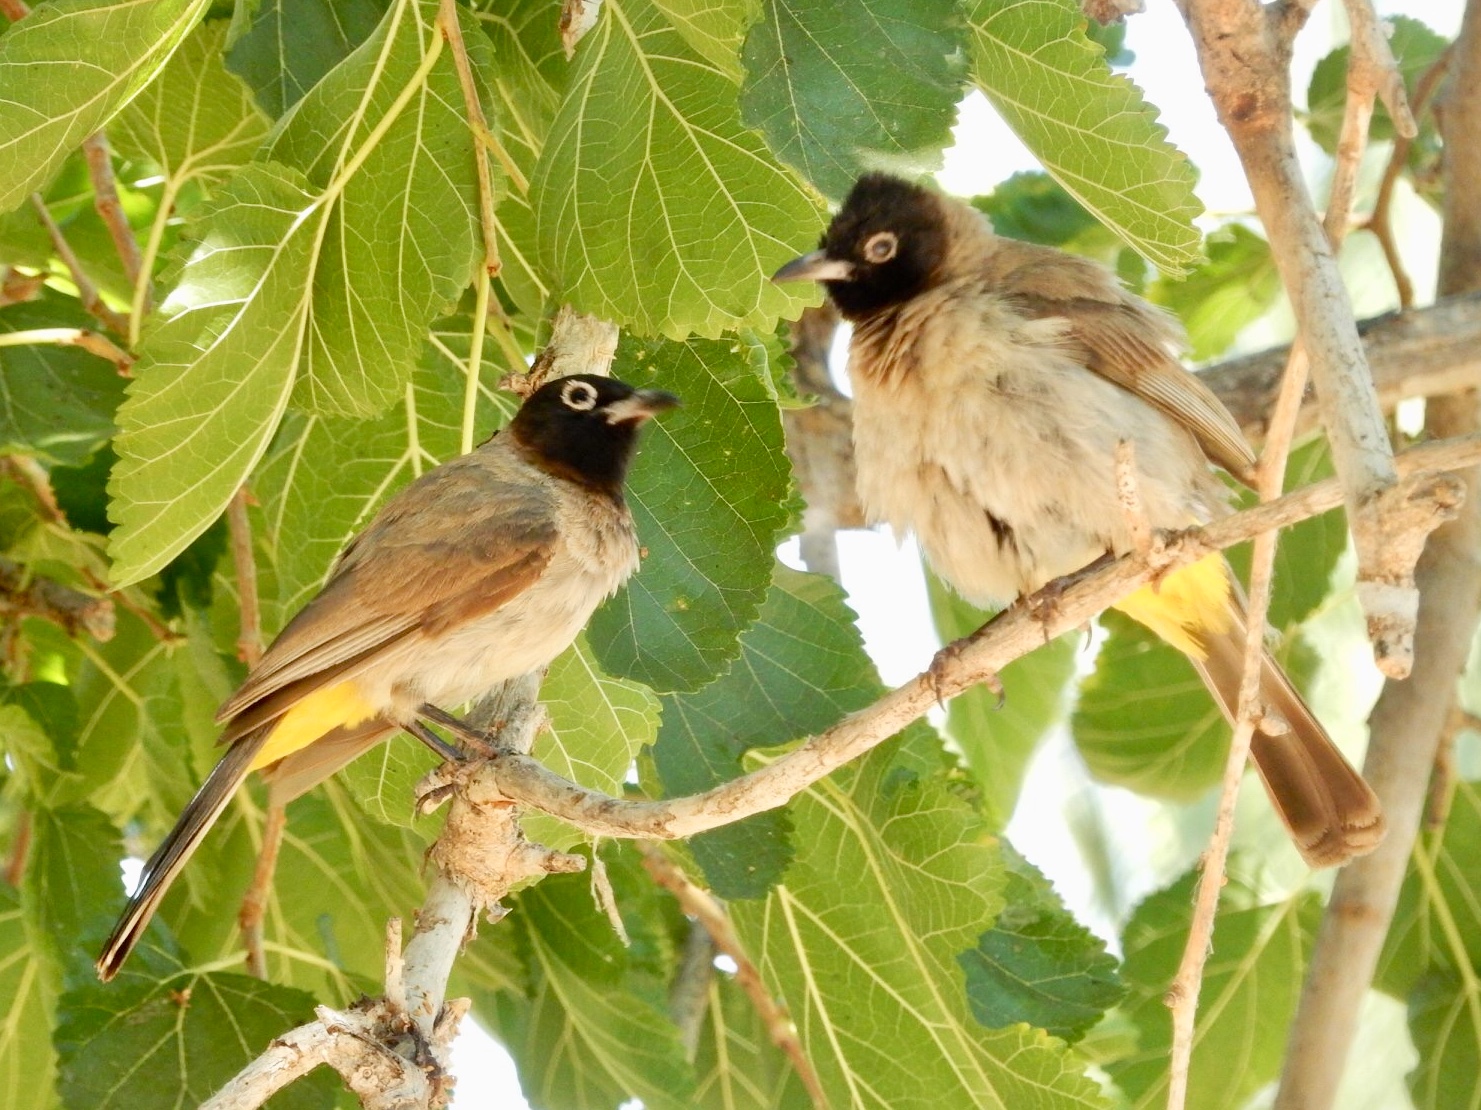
[(816, 266), (643, 404)]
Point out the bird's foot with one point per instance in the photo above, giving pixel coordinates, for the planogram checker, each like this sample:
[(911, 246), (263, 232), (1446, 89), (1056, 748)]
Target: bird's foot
[(475, 744), (939, 672)]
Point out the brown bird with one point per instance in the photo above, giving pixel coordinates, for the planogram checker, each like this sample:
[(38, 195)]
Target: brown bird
[(482, 570), (993, 380)]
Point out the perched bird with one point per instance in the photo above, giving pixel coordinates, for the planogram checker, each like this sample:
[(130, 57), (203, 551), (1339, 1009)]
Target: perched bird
[(992, 382), (482, 570)]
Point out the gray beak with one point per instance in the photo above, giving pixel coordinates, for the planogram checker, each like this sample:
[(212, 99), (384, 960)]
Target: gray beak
[(643, 404), (816, 266)]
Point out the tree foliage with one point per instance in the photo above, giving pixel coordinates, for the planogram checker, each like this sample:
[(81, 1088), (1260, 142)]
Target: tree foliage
[(301, 176)]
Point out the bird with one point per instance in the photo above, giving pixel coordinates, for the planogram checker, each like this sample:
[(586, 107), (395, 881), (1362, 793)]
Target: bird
[(992, 382), (483, 569)]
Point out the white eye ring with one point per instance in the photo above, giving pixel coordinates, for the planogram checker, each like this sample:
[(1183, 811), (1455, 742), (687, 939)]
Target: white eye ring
[(581, 396), (881, 247)]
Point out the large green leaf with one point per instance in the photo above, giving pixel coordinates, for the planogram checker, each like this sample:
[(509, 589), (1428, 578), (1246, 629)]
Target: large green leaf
[(1089, 127), (655, 206), (72, 885), (895, 877), (1233, 287), (1445, 1019), (142, 1043), (67, 68), (736, 1065), (56, 403), (27, 1062), (1250, 988), (290, 289), (292, 44), (802, 667), (709, 493), (838, 88), (997, 736)]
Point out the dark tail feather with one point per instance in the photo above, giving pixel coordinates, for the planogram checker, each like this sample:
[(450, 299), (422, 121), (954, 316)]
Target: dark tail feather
[(177, 847), (1331, 813)]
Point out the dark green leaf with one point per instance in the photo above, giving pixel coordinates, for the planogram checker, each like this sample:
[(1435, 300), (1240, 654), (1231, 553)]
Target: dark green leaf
[(841, 87), (144, 1044), (1038, 964), (709, 493), (82, 491), (1445, 1020), (292, 44), (802, 667), (1032, 206), (56, 402), (72, 884), (1249, 993)]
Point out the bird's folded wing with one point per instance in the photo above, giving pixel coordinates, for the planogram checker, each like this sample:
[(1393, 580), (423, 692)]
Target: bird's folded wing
[(463, 545), (1131, 344)]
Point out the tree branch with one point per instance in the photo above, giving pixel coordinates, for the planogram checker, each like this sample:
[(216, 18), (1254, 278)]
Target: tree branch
[(23, 594), (105, 200), (87, 292)]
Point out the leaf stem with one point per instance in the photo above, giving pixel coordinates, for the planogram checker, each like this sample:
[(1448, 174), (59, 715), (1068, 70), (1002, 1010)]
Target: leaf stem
[(475, 358)]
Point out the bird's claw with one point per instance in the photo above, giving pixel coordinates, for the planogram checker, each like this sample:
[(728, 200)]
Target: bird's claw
[(938, 673)]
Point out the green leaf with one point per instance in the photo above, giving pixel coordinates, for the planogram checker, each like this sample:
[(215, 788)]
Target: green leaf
[(1144, 719), (27, 1062), (709, 493), (38, 733), (1415, 47), (1089, 127), (598, 726), (894, 877), (1445, 1020), (71, 64), (280, 298), (1032, 206), (196, 121), (839, 88), (998, 739), (141, 1044), (654, 206), (582, 1039), (292, 44), (1234, 286), (56, 403), (1250, 988), (737, 1066), (802, 667), (1038, 964), (1437, 923), (72, 886)]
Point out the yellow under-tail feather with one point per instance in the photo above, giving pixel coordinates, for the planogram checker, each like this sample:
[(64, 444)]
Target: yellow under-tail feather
[(1184, 605), (316, 715)]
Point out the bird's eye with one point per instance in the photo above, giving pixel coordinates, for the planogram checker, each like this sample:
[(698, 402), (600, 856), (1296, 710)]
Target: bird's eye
[(881, 246), (581, 396)]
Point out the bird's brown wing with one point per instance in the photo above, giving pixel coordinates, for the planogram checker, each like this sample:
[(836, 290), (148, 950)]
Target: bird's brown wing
[(452, 547), (1129, 343)]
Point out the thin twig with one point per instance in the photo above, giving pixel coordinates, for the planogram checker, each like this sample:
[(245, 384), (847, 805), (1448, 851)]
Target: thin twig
[(87, 292), (94, 343), (706, 909), (105, 200), (14, 9), (254, 901), (25, 594), (447, 19), (244, 562), (1379, 221), (157, 628)]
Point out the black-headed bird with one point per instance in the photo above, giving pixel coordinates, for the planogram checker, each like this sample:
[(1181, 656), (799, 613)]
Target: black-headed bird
[(993, 380), (483, 569)]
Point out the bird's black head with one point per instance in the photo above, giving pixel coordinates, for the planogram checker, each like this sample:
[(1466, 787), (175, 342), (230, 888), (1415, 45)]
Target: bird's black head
[(585, 428), (883, 247)]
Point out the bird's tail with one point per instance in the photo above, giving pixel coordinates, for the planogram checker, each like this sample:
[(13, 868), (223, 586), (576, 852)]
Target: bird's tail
[(199, 815), (1331, 813)]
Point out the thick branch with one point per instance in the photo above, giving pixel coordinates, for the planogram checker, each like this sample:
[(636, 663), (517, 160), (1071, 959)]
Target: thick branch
[(1070, 603)]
